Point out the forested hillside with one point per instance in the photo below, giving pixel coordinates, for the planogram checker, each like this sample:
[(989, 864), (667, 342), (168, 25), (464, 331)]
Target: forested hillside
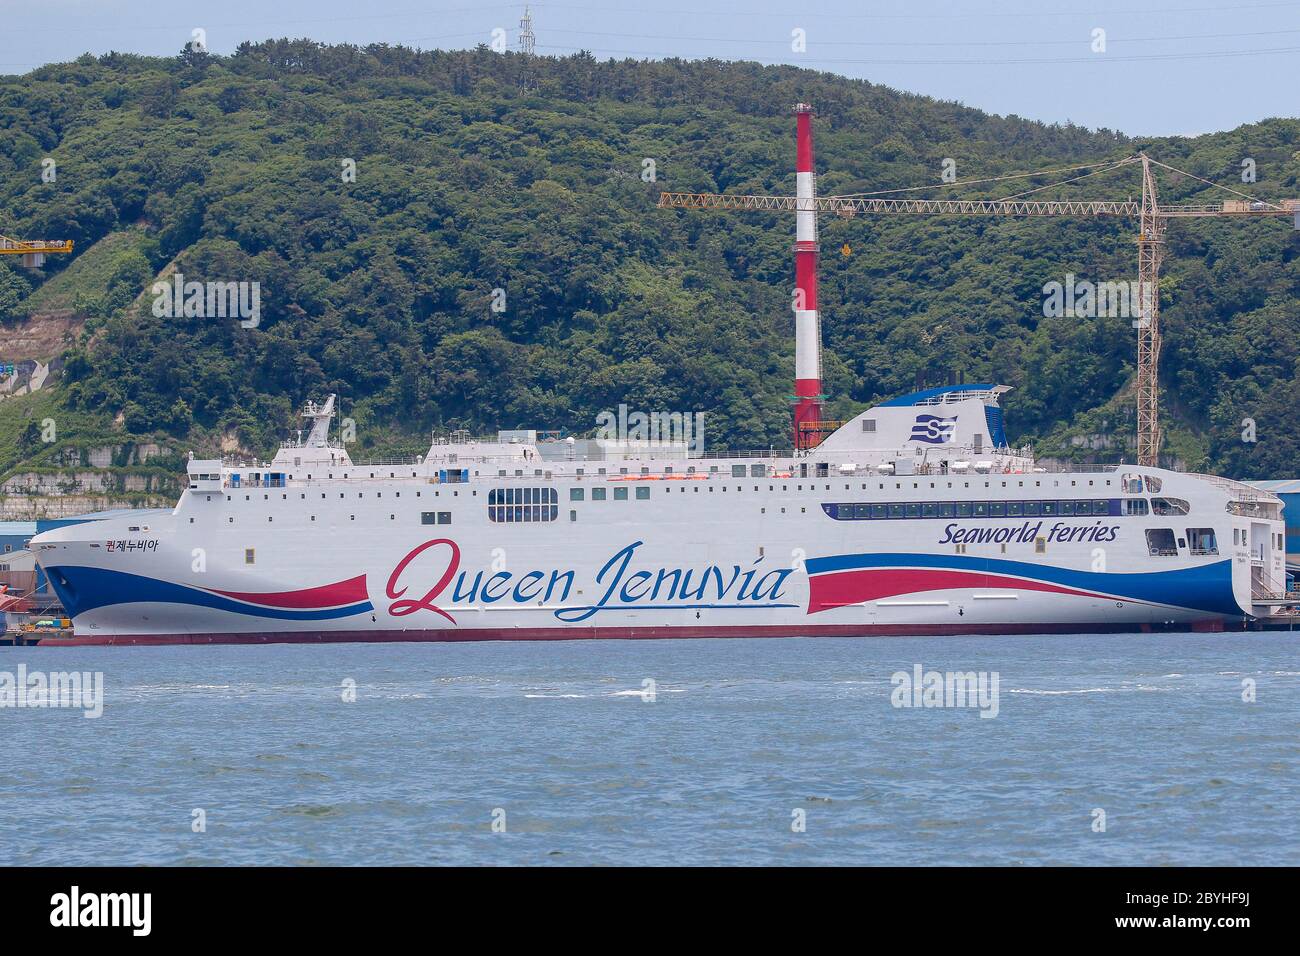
[(382, 289)]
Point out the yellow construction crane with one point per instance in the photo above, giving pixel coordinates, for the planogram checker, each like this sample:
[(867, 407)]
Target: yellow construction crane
[(1152, 218), (33, 251)]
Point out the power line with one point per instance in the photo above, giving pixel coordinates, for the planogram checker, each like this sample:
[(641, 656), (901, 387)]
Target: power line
[(985, 15), (1098, 167), (1095, 58), (1078, 41)]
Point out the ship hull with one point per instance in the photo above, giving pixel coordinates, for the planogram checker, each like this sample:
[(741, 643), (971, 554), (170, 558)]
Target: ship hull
[(716, 558)]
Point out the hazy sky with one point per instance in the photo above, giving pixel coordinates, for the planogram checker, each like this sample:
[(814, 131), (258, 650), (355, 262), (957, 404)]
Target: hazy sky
[(1169, 66)]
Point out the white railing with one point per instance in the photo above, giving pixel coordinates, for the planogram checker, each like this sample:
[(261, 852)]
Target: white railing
[(1238, 489)]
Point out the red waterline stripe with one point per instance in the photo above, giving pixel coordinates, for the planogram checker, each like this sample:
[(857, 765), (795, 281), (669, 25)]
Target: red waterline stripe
[(452, 635)]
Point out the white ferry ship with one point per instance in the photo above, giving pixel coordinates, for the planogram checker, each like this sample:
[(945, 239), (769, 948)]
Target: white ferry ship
[(915, 517)]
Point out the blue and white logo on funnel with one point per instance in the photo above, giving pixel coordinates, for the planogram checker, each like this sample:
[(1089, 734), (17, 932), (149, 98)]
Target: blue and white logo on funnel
[(934, 430)]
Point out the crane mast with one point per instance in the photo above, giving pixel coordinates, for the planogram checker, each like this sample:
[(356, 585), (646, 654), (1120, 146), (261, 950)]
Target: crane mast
[(1150, 249)]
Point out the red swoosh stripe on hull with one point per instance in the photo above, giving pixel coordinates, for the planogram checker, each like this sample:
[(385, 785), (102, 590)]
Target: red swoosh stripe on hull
[(351, 591), (827, 591)]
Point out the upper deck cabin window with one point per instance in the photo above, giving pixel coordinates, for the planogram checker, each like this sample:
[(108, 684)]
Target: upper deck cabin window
[(523, 505), (1169, 506)]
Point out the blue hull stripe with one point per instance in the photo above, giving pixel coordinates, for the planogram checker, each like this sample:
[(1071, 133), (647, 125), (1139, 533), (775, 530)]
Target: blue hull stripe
[(84, 589), (1204, 588)]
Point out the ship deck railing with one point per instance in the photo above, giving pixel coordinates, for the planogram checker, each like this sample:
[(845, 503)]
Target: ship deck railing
[(1279, 599), (790, 467), (1238, 489), (868, 461)]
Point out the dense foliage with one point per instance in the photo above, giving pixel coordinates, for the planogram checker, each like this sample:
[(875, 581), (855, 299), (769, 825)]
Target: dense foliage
[(232, 169)]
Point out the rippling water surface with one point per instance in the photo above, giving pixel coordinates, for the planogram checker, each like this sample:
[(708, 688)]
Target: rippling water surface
[(560, 741)]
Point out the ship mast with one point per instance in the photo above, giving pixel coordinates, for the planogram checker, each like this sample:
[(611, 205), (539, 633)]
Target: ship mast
[(320, 416)]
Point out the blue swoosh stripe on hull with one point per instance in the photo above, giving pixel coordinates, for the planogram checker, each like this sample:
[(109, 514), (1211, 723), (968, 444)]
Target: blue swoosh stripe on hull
[(84, 589), (1204, 588)]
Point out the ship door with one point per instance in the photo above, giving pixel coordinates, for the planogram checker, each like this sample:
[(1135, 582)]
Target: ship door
[(1261, 560)]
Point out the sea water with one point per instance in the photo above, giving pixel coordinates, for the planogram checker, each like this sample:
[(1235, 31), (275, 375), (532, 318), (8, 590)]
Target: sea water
[(1108, 750)]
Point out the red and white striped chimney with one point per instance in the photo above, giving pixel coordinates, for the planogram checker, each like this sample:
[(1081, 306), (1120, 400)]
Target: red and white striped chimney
[(807, 330)]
